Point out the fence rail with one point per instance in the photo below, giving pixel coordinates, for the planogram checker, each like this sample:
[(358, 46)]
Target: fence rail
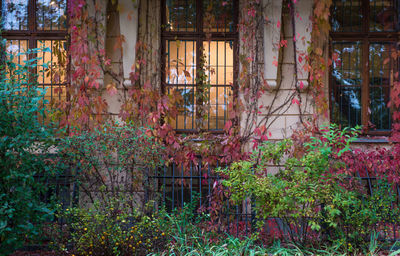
[(174, 185), (178, 185)]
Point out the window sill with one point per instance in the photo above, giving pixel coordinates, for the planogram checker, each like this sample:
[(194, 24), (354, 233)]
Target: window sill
[(372, 140)]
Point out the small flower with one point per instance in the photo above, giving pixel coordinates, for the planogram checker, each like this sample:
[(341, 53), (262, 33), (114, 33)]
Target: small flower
[(85, 229), (163, 234)]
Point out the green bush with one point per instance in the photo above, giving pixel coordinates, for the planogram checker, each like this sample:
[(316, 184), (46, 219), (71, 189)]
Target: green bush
[(112, 229), (301, 187), (314, 200), (23, 139), (112, 160)]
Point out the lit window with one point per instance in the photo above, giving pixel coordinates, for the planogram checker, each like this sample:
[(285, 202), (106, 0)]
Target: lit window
[(200, 35), (364, 36), (39, 24)]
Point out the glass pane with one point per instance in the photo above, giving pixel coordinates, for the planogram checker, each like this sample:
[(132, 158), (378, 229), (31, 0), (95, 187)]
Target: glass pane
[(346, 67), (52, 68), (180, 62), (186, 108), (219, 62), (380, 116), (181, 15), (346, 81), (346, 106), (15, 14), (381, 77), (51, 14), (218, 16), (18, 49), (346, 16), (383, 15), (220, 97)]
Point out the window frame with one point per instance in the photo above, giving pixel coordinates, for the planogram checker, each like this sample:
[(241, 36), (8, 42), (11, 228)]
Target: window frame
[(366, 37), (199, 36), (32, 35)]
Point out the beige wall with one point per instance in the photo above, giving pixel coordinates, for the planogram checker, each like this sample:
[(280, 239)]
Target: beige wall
[(147, 26)]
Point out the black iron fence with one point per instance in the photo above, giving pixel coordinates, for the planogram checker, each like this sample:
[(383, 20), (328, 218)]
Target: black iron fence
[(175, 185), (196, 183)]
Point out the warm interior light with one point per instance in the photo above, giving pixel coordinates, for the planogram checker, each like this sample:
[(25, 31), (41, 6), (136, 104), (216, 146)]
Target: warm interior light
[(181, 71)]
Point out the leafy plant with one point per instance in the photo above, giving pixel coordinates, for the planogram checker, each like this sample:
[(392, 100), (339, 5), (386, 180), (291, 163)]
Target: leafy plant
[(24, 140), (112, 160), (112, 229), (302, 192)]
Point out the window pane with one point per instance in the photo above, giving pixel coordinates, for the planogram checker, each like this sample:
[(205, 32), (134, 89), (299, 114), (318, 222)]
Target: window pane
[(15, 14), (346, 80), (52, 69), (219, 62), (180, 62), (51, 14), (18, 49), (186, 108), (218, 16), (220, 97), (381, 76), (383, 15), (346, 106), (346, 16), (346, 67), (181, 15), (380, 113)]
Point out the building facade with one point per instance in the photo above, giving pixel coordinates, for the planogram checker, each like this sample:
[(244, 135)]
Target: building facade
[(183, 37)]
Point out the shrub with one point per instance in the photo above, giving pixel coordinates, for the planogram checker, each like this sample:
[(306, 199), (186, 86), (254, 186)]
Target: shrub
[(310, 194), (108, 230), (112, 160), (23, 140)]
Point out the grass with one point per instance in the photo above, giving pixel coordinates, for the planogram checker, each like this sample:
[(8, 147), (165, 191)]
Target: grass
[(232, 246)]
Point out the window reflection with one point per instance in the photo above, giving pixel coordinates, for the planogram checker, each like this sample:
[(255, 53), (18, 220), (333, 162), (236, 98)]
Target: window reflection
[(346, 75), (15, 14), (51, 14), (218, 16), (381, 78), (382, 15), (181, 15), (346, 16)]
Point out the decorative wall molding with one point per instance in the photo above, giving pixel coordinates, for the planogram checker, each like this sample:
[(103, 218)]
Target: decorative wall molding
[(271, 36), (303, 27), (129, 23)]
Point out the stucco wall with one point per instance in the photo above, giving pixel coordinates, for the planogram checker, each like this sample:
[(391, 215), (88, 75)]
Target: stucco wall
[(142, 18)]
